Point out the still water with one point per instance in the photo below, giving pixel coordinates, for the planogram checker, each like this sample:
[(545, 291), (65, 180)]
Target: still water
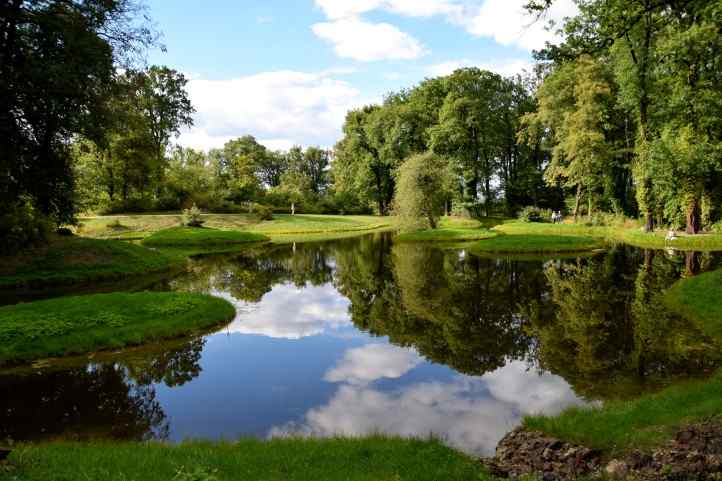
[(363, 335)]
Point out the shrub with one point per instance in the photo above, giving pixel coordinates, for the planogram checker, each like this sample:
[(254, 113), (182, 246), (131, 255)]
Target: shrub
[(21, 225), (262, 212), (422, 190), (192, 217), (64, 232), (535, 214)]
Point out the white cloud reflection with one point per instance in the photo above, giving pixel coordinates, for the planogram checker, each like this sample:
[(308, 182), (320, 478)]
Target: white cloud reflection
[(289, 312), (471, 414), (371, 362)]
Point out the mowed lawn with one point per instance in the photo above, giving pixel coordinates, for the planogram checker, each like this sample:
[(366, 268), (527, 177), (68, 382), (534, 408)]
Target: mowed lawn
[(142, 225)]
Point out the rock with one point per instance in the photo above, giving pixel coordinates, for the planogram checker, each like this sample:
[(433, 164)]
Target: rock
[(617, 469)]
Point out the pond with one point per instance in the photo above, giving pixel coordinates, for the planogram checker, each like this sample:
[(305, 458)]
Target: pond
[(364, 335)]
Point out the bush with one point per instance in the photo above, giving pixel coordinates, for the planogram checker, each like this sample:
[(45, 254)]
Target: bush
[(192, 217), (535, 214), (422, 191), (64, 232), (262, 212), (21, 225)]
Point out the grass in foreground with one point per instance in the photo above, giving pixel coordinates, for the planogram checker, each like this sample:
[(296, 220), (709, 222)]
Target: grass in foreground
[(374, 458), (652, 419), (80, 324), (451, 229), (200, 236), (536, 244), (77, 260)]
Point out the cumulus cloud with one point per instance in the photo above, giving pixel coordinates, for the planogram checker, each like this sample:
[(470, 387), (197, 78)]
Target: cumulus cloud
[(472, 414), (283, 108), (371, 362), (508, 23), (288, 312), (367, 42), (505, 21), (504, 68)]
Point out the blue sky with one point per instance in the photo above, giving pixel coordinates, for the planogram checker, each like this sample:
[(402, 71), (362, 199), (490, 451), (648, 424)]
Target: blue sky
[(286, 71)]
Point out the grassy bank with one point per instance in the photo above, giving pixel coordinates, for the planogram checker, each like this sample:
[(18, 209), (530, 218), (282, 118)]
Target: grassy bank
[(283, 226), (652, 419), (536, 244), (78, 260), (355, 459), (450, 229), (629, 233), (75, 325), (200, 236)]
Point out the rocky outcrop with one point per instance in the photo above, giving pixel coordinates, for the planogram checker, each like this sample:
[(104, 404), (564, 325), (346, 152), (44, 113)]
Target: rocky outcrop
[(695, 454)]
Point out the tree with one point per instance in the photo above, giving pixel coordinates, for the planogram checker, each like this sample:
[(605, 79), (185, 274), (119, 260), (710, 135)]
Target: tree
[(422, 191), (56, 72), (572, 105), (469, 129)]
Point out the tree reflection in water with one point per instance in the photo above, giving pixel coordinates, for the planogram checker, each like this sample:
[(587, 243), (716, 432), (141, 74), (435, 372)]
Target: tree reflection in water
[(107, 399)]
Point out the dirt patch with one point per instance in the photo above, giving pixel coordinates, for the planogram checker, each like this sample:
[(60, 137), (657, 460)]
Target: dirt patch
[(695, 453)]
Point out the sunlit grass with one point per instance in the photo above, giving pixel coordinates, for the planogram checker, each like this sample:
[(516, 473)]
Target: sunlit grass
[(536, 244), (79, 324), (450, 229), (201, 236), (374, 458)]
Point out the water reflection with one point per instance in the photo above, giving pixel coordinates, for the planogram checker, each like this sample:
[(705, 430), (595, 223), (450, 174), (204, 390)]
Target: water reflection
[(363, 335)]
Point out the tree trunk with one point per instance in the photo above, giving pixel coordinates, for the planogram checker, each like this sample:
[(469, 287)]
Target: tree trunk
[(589, 205), (576, 203), (693, 216), (691, 264)]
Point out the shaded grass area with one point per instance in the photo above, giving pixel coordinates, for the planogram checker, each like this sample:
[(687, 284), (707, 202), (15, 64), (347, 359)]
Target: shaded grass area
[(373, 458), (200, 236), (536, 244), (78, 260), (80, 324), (450, 229), (286, 225), (652, 419)]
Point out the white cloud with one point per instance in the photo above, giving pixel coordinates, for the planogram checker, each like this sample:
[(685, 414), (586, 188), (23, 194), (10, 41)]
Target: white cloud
[(288, 312), (363, 365), (367, 42), (284, 107), (505, 21), (508, 23), (504, 68), (472, 414)]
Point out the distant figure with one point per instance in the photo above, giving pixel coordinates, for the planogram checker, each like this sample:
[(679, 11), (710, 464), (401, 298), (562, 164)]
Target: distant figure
[(671, 236), (293, 208), (556, 217)]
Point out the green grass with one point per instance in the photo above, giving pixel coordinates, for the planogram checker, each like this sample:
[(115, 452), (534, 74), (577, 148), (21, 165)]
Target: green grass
[(536, 244), (200, 236), (373, 458), (450, 229), (284, 227), (77, 260), (80, 324), (652, 419), (629, 233)]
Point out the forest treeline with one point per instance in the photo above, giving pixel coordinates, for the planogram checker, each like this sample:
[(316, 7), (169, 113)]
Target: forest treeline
[(623, 117)]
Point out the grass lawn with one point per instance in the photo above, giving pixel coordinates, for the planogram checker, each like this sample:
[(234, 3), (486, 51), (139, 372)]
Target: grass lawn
[(78, 260), (450, 229), (652, 419), (355, 459), (80, 324), (536, 244), (283, 226), (630, 234), (200, 236)]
